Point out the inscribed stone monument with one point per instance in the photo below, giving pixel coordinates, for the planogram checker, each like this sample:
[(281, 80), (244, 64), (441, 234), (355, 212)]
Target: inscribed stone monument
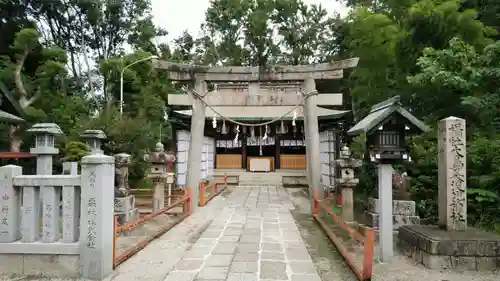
[(452, 174)]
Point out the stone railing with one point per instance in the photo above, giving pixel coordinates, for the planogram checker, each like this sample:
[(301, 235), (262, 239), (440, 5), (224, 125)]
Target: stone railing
[(42, 234), (57, 225)]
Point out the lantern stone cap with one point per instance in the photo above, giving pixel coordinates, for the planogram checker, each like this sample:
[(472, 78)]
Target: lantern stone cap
[(93, 134), (122, 155), (380, 114), (46, 128), (452, 118)]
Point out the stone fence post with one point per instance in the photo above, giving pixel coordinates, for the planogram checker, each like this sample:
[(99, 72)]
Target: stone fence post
[(45, 150), (97, 220), (9, 204)]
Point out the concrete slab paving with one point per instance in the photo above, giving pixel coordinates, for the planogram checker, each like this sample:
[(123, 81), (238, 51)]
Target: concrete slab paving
[(254, 238)]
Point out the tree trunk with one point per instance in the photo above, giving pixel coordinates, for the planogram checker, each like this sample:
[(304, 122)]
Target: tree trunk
[(15, 140)]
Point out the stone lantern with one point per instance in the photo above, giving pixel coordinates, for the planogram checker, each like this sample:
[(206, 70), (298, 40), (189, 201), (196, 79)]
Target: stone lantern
[(94, 139), (386, 127), (45, 134), (346, 180), (124, 203), (122, 162), (158, 174)]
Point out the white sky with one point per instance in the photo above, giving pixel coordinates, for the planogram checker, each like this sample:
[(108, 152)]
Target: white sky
[(179, 15)]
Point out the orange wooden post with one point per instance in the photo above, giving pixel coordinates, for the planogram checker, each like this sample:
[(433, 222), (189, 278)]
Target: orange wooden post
[(315, 202), (202, 194), (368, 254), (187, 204), (115, 237)]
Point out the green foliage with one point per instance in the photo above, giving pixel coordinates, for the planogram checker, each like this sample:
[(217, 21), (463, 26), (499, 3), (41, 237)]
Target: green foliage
[(73, 151), (440, 56), (467, 81), (126, 135)]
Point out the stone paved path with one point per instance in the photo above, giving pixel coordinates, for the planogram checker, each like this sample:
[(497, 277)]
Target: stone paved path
[(254, 238)]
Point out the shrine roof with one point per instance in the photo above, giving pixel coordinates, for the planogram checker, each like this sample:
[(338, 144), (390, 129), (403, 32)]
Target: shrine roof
[(264, 112), (10, 110), (379, 115)]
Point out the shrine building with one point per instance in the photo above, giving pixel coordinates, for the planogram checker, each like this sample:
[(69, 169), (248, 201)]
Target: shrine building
[(275, 148)]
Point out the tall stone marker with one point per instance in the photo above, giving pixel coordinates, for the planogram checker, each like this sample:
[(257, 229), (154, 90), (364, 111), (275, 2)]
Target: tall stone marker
[(452, 174)]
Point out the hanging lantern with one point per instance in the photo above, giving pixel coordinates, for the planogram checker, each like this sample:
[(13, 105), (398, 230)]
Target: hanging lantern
[(265, 133), (224, 128)]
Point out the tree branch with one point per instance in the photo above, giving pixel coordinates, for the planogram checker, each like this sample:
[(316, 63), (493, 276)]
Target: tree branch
[(23, 95), (34, 98)]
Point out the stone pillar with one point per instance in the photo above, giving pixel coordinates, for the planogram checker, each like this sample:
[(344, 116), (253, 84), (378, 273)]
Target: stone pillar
[(170, 182), (70, 205), (196, 144), (312, 140), (124, 203), (93, 139), (96, 220), (44, 150), (9, 204), (347, 182), (386, 237), (452, 196)]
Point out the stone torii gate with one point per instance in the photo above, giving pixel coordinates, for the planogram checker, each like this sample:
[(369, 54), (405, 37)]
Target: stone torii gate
[(255, 94)]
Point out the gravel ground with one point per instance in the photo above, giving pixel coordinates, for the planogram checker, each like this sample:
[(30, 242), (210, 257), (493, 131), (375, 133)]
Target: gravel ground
[(332, 267)]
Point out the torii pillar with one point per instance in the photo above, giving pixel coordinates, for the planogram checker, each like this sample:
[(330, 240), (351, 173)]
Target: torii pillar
[(311, 131), (193, 174)]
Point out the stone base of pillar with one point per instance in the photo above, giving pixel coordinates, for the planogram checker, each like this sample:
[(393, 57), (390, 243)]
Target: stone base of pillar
[(403, 213), (125, 210), (436, 248)]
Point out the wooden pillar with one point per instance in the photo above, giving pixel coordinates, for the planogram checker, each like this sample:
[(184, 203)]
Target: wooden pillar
[(312, 140), (244, 152), (277, 155), (196, 144)]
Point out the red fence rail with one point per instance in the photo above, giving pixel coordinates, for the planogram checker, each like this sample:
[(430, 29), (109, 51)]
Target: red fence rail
[(185, 200), (363, 272), (211, 189)]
